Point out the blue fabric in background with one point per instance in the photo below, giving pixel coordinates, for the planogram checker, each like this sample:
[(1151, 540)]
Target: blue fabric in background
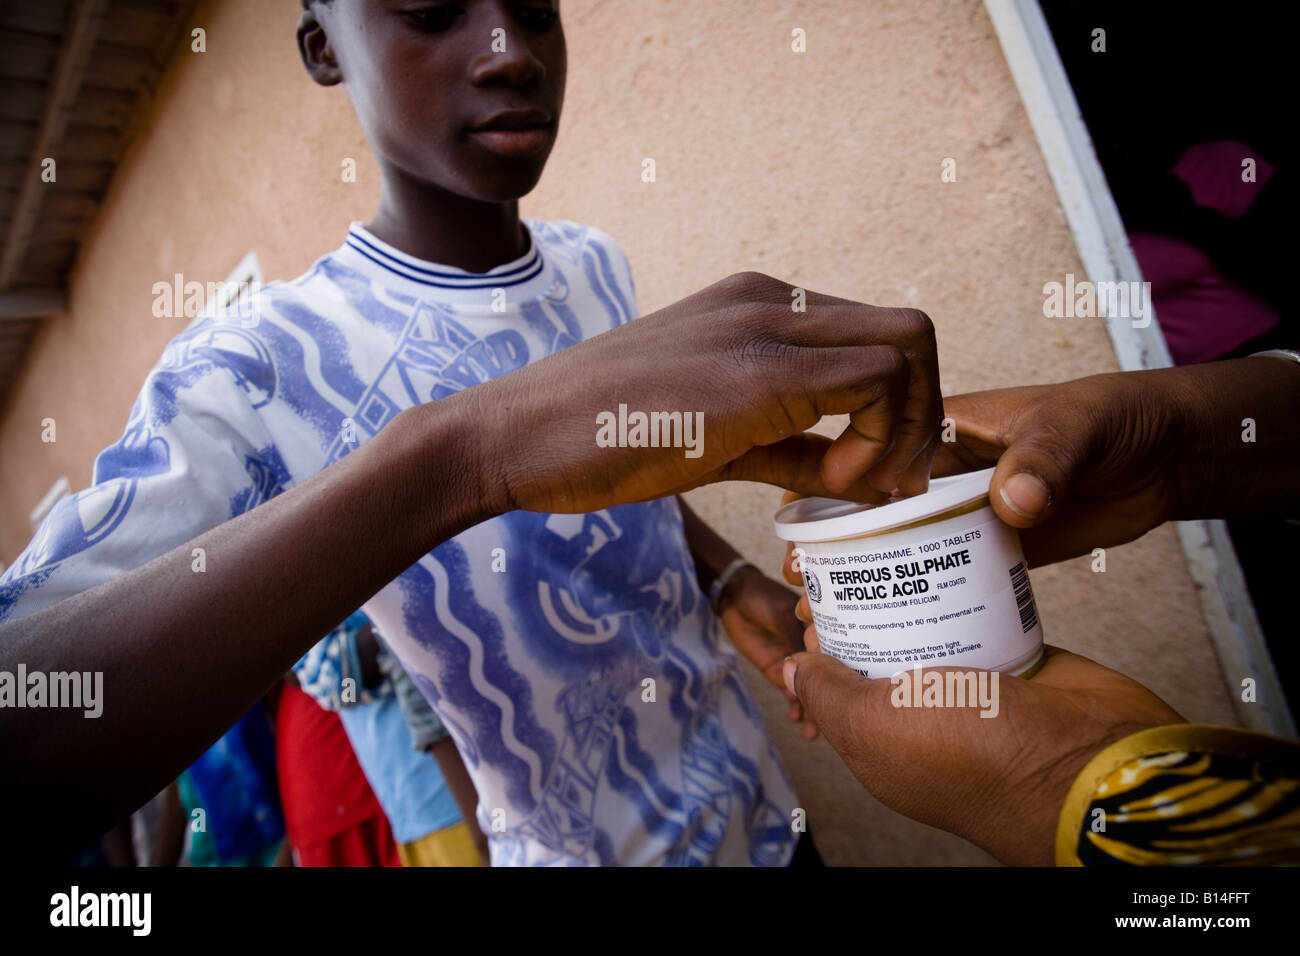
[(236, 783), (407, 782)]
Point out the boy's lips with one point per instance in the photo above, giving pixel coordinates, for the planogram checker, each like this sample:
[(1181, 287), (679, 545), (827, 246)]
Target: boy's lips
[(514, 132), (514, 142)]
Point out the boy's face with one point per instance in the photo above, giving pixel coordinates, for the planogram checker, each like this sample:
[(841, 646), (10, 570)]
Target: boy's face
[(464, 96)]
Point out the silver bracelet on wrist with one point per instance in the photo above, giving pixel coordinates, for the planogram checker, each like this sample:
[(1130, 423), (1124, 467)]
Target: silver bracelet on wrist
[(720, 582), (1287, 355)]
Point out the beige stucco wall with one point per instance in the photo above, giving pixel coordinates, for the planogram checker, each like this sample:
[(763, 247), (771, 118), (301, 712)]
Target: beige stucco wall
[(822, 168)]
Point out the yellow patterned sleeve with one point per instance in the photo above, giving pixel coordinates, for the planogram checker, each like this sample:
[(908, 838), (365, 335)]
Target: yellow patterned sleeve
[(1185, 795)]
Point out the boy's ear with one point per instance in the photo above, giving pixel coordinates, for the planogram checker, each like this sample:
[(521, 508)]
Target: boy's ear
[(316, 52)]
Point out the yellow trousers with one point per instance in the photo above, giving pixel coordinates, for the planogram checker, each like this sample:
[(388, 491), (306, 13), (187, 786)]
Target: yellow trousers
[(450, 847)]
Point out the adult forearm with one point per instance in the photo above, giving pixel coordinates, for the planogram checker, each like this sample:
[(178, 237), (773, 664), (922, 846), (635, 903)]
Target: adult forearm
[(1241, 450), (184, 653)]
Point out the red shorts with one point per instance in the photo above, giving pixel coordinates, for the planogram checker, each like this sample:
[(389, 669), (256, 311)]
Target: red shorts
[(330, 812)]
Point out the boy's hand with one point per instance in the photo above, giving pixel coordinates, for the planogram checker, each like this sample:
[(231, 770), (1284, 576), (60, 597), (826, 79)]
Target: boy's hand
[(758, 372), (997, 781), (758, 614)]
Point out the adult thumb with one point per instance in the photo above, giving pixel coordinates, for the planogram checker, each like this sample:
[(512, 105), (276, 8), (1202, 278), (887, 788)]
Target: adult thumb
[(827, 689), (1034, 476)]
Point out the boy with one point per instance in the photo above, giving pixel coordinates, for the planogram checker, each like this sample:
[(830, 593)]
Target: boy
[(573, 658)]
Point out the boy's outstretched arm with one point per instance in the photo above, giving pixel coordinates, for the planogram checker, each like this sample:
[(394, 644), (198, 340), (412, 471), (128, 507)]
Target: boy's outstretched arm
[(184, 654)]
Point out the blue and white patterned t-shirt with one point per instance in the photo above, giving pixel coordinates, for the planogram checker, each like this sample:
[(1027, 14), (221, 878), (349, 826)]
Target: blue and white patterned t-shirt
[(538, 670)]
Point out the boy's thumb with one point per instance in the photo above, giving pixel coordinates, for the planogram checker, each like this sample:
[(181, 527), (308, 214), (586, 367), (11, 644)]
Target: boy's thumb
[(1033, 478)]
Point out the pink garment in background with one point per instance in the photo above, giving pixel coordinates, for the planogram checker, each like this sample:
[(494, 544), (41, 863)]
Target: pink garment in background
[(1205, 315), (1213, 173)]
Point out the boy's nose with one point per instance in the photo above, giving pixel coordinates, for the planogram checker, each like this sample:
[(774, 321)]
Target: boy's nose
[(515, 64)]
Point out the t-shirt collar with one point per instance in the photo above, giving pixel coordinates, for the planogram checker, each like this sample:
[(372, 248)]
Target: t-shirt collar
[(522, 279)]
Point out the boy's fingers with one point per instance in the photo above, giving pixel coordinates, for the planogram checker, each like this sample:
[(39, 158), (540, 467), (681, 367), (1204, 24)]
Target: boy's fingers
[(907, 465), (830, 321), (794, 463), (873, 429), (914, 477), (910, 331), (891, 394), (888, 393)]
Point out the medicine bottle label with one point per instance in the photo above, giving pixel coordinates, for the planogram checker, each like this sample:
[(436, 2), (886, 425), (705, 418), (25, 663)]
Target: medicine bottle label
[(949, 593)]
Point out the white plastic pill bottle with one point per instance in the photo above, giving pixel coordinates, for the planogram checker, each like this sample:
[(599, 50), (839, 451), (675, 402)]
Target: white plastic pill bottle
[(935, 580)]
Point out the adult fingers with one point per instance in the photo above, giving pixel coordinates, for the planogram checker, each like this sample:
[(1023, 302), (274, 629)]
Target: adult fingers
[(1035, 473), (828, 691)]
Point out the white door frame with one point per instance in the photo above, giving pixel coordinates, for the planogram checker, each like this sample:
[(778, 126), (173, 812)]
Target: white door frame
[(1107, 257)]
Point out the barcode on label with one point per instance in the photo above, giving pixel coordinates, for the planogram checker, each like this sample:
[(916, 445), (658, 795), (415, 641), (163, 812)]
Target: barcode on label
[(1024, 597)]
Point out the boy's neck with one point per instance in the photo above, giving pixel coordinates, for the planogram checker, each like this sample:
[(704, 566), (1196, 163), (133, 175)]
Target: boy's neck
[(438, 226)]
